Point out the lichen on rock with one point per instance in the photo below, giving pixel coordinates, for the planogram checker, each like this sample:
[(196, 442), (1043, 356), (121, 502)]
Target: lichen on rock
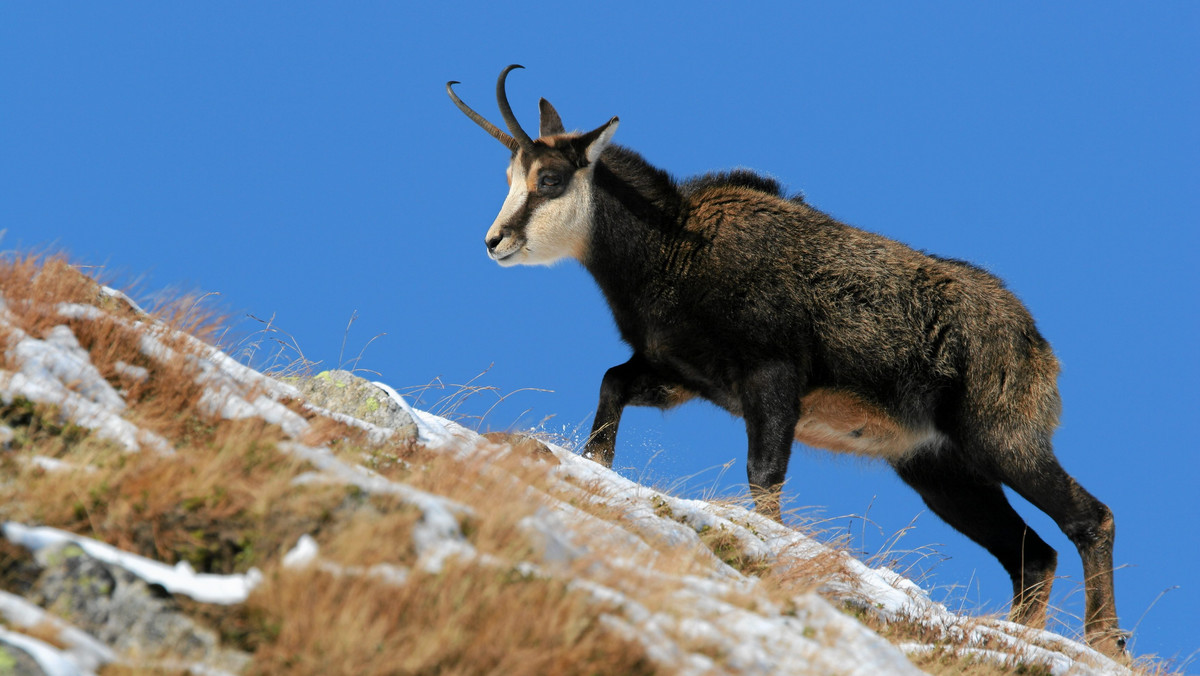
[(123, 611), (17, 662), (343, 392)]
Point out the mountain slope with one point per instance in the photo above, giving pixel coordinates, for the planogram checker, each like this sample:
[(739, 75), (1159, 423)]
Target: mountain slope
[(167, 509)]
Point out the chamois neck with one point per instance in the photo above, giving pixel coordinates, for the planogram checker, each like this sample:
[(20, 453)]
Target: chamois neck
[(637, 207)]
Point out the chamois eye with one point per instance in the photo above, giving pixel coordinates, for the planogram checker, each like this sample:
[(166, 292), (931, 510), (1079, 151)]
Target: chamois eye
[(549, 180)]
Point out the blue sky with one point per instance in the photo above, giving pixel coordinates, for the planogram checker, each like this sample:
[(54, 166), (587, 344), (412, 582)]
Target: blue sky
[(303, 162)]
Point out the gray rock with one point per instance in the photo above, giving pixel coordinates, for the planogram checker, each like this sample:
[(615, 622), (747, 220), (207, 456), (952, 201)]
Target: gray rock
[(136, 619), (17, 662), (344, 392)]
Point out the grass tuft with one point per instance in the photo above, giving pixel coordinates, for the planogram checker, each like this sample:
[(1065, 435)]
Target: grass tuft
[(462, 620)]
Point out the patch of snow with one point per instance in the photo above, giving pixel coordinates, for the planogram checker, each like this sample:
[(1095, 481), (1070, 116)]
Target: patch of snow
[(151, 346), (114, 293), (232, 390), (79, 311), (556, 544), (227, 383), (177, 579), (225, 402), (59, 372), (87, 652), (375, 433), (51, 660), (135, 373), (434, 431), (60, 357), (436, 535), (55, 465), (240, 373), (305, 552), (106, 422)]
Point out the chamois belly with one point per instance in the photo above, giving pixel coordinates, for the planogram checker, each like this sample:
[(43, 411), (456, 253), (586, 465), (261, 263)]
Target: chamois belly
[(843, 422)]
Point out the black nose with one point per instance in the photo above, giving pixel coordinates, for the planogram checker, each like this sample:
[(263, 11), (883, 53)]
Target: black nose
[(493, 241)]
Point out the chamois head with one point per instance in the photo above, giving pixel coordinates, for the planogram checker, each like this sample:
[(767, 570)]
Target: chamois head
[(547, 215)]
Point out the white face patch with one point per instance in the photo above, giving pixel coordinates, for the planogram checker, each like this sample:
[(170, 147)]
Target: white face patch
[(505, 253), (557, 228)]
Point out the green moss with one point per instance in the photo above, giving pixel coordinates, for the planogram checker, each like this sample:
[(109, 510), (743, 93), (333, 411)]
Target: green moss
[(93, 584), (662, 509), (8, 663), (725, 546), (196, 431), (328, 375), (32, 422), (248, 556), (213, 552), (69, 551)]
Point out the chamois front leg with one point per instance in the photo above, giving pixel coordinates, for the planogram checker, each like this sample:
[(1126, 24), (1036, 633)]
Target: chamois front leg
[(636, 383), (771, 407)]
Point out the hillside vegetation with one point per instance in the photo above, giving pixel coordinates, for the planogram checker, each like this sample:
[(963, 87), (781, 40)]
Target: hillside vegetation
[(166, 509)]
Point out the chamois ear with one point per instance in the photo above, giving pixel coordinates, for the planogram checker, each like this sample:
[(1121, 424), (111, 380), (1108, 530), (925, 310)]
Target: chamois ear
[(551, 122), (595, 141)]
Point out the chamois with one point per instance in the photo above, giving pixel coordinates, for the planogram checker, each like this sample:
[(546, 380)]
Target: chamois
[(810, 330)]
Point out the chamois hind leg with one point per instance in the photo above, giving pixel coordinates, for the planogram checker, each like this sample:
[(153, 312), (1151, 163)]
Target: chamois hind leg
[(975, 505), (1088, 523)]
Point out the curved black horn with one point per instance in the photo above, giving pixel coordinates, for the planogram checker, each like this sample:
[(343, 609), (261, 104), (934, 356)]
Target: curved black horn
[(479, 120), (509, 119)]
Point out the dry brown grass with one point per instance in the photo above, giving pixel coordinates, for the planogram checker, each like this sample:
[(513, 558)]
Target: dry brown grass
[(946, 662), (34, 287), (129, 670), (472, 617), (461, 621), (945, 657), (17, 568), (221, 503)]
